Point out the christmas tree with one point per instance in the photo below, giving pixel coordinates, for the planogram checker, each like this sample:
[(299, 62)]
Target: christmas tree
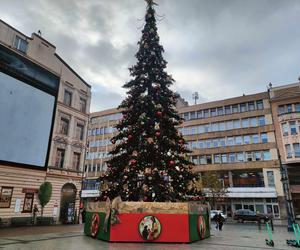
[(149, 159)]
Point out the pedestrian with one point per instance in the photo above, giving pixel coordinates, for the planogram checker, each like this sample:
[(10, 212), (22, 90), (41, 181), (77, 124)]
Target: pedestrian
[(215, 219), (220, 220), (35, 211)]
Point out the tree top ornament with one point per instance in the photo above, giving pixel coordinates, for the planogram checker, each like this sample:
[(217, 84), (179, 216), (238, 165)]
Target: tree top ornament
[(150, 2)]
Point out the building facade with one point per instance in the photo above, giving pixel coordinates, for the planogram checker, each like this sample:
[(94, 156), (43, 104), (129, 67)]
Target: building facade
[(66, 147), (235, 137), (285, 102)]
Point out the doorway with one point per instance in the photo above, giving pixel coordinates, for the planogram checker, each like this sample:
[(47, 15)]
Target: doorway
[(67, 203)]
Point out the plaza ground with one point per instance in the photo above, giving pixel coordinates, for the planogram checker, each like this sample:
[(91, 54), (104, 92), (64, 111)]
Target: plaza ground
[(234, 236)]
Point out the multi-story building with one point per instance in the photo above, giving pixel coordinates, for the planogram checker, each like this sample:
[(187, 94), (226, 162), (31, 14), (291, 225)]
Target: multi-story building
[(234, 137), (285, 102), (44, 114)]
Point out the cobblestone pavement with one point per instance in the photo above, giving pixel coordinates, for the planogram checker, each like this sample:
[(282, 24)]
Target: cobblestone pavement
[(234, 236)]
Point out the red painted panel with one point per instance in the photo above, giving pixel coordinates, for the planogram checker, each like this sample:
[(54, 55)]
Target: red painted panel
[(174, 228)]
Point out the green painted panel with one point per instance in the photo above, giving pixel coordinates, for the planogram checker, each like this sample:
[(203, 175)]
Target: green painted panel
[(101, 234), (204, 228)]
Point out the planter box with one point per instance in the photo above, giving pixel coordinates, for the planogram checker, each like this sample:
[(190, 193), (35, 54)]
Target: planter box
[(148, 222)]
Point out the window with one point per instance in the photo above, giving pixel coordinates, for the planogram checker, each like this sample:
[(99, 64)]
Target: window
[(202, 159), (245, 123), (251, 106), (222, 142), (297, 107), (280, 109), (235, 108), (253, 122), (222, 126), (208, 144), (201, 129), (206, 113), (249, 156), (76, 161), (28, 202), (214, 127), (266, 155), (230, 141), (285, 129), (199, 114), (220, 111), (289, 108), (217, 159), (60, 157), (215, 143), (186, 116), (64, 126), (238, 140), (208, 159), (213, 112), (257, 156), (227, 110), (255, 138), (270, 175), (296, 147), (243, 107), (229, 125), (231, 157), (260, 104), (293, 128), (79, 131), (247, 139), (240, 157), (201, 144), (82, 105), (20, 44), (264, 137), (207, 128), (193, 115), (224, 158), (236, 124), (195, 160), (68, 98), (261, 121), (193, 144)]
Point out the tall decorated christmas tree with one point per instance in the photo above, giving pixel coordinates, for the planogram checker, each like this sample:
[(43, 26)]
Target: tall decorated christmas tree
[(149, 161)]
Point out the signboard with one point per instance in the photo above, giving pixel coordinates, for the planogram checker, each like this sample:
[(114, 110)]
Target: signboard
[(90, 193), (30, 190), (5, 197), (55, 209)]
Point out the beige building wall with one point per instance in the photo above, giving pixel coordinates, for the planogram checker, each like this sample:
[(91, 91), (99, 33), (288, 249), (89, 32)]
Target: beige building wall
[(43, 53)]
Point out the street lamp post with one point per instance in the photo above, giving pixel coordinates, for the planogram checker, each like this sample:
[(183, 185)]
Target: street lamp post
[(287, 194)]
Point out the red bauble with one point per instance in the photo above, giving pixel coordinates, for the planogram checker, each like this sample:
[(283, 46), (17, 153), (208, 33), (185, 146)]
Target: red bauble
[(113, 141), (130, 137), (157, 133), (159, 113), (132, 162), (171, 163), (181, 141)]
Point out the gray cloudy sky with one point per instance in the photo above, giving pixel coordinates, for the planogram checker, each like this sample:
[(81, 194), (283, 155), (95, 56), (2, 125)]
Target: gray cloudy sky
[(220, 48)]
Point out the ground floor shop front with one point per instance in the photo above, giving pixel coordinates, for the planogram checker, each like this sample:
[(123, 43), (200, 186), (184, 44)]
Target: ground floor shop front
[(259, 200), (19, 194)]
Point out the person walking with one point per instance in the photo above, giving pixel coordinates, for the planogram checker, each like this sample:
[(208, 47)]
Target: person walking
[(220, 220), (215, 219), (35, 211)]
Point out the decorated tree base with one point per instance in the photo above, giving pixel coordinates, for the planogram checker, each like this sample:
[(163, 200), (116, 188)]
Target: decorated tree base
[(148, 222)]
